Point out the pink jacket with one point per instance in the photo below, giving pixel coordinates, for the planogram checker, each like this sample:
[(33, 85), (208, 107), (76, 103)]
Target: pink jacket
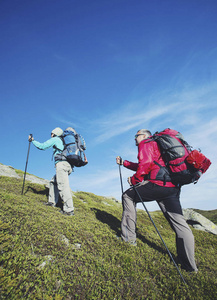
[(148, 152)]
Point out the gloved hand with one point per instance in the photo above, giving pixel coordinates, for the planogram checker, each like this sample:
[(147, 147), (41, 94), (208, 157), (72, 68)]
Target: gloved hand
[(119, 160)]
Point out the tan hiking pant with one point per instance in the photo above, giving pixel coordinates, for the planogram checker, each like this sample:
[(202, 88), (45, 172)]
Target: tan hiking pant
[(59, 185)]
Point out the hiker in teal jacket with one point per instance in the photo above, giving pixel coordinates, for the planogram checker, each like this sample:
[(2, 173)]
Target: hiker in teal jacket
[(59, 184)]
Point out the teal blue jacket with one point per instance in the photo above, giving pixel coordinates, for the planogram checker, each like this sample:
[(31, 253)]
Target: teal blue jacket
[(54, 142)]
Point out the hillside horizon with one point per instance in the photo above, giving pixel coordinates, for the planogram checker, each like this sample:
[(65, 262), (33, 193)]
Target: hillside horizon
[(6, 170)]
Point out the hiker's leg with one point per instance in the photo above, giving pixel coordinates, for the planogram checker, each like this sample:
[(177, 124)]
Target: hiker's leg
[(63, 170), (129, 216), (53, 191), (128, 223), (184, 236)]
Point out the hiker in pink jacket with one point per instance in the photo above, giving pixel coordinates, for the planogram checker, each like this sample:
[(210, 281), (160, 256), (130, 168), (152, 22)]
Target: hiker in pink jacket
[(152, 183)]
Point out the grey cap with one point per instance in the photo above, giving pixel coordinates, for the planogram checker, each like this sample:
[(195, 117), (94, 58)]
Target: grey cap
[(71, 129)]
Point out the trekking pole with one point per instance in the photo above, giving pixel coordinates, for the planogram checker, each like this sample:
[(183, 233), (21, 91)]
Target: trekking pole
[(26, 165), (122, 190), (140, 198)]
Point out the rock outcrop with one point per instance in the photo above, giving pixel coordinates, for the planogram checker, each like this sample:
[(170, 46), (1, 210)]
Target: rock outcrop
[(11, 172), (198, 221)]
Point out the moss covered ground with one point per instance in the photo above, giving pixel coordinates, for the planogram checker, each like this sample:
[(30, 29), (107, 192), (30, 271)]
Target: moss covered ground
[(46, 255)]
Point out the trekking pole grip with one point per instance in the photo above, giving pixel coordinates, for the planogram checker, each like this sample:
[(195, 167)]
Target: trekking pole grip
[(31, 136), (119, 165)]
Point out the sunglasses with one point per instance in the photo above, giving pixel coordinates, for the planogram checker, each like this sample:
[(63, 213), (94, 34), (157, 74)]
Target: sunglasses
[(136, 136)]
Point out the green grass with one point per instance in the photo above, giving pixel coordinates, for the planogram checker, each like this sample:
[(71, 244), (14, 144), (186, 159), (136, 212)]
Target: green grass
[(103, 267)]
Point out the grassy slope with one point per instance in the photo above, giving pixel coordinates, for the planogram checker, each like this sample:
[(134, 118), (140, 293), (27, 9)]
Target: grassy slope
[(104, 267)]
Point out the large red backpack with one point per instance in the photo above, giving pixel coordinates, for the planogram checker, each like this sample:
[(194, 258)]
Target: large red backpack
[(185, 166)]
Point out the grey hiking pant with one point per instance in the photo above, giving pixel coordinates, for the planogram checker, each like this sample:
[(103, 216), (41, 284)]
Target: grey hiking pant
[(169, 203), (59, 185)]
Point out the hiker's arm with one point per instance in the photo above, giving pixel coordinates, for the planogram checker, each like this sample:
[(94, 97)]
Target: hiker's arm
[(130, 165), (85, 162), (46, 145), (145, 158), (85, 159)]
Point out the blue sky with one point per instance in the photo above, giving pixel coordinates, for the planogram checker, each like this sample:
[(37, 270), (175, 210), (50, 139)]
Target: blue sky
[(108, 68)]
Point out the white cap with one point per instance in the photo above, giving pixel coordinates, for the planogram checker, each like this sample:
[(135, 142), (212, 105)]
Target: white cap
[(57, 131)]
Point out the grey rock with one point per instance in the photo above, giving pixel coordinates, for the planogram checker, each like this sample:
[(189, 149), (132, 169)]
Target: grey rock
[(35, 179), (11, 172), (64, 239), (8, 171), (199, 222), (48, 259), (77, 246)]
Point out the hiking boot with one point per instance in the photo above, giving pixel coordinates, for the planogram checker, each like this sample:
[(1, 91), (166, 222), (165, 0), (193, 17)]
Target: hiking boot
[(192, 271), (50, 204), (67, 213), (132, 243)]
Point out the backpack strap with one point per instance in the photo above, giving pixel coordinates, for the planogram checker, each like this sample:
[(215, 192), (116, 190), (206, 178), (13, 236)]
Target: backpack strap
[(163, 174), (56, 148)]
